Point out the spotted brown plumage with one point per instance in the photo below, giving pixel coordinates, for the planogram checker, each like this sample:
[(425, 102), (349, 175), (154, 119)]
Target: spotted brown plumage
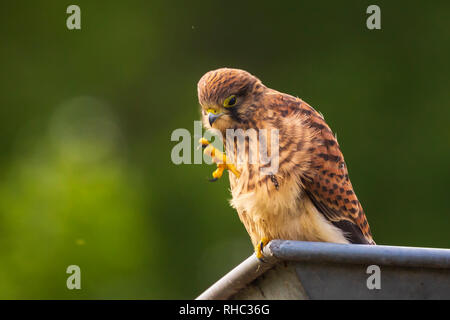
[(310, 196)]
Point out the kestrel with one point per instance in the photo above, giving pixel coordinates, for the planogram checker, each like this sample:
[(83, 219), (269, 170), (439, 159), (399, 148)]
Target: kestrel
[(310, 196)]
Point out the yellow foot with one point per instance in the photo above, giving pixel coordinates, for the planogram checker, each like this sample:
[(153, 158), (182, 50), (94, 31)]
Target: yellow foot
[(218, 173), (259, 248), (219, 158)]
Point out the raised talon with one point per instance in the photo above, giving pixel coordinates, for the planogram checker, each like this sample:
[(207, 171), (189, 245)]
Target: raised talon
[(203, 142), (219, 158), (219, 171), (259, 248)]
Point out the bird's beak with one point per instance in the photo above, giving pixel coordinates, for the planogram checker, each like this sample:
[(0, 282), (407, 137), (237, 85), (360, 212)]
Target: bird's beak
[(213, 117)]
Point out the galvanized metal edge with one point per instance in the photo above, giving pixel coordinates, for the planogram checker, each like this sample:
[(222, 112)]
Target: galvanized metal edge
[(239, 277), (287, 250), (360, 254)]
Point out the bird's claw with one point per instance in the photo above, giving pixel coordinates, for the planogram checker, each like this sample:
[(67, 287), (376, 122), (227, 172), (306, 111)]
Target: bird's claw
[(259, 248), (204, 143), (219, 158)]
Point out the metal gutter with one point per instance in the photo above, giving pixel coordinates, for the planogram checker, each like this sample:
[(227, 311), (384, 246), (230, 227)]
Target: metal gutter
[(238, 278), (360, 254), (307, 259)]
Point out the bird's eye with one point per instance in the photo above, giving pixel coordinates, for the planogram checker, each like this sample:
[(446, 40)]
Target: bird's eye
[(230, 101)]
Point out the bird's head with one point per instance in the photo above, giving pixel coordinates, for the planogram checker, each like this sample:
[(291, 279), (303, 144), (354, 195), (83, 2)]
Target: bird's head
[(228, 98)]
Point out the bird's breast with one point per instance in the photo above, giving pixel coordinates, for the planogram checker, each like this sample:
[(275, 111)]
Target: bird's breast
[(279, 212)]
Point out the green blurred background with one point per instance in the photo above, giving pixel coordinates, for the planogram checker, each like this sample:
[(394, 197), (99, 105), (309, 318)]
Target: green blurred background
[(86, 117)]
